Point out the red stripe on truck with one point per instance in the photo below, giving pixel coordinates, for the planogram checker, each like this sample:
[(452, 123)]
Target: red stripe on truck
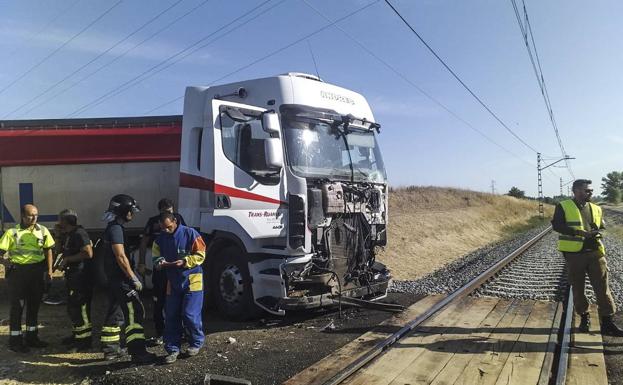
[(90, 145), (201, 183)]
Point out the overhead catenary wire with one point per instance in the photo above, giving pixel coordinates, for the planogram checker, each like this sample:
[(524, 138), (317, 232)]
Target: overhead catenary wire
[(176, 57), (418, 88), (119, 42), (273, 53), (453, 73), (116, 58), (526, 32), (59, 48)]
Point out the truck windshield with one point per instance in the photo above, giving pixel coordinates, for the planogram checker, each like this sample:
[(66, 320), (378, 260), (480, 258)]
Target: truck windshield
[(322, 144)]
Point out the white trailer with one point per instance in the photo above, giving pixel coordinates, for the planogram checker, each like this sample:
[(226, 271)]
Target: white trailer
[(282, 175)]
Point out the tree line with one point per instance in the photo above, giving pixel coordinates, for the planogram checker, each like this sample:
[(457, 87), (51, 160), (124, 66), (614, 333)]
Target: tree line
[(611, 190), (612, 187)]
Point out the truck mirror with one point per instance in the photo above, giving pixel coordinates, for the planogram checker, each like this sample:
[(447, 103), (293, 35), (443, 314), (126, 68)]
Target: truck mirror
[(270, 122), (274, 153)]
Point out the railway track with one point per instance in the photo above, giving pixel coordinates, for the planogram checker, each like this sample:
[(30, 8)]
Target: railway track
[(520, 283)]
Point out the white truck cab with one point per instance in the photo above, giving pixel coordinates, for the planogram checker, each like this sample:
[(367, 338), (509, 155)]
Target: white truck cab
[(284, 177)]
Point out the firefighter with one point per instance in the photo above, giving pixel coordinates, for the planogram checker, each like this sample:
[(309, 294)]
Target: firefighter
[(123, 285), (180, 251), (579, 223), (158, 277), (29, 246), (76, 253)]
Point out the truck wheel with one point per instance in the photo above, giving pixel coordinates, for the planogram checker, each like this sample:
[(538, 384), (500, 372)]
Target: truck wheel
[(231, 284)]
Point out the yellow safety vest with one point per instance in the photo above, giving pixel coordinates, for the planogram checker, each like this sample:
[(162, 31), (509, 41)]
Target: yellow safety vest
[(573, 218), (25, 246)]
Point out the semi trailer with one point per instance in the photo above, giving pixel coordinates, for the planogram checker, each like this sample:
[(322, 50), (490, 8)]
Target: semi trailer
[(282, 175)]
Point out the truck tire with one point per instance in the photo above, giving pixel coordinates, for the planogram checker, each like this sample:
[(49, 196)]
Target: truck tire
[(230, 282)]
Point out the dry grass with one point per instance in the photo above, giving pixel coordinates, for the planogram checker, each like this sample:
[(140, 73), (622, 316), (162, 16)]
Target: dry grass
[(431, 226)]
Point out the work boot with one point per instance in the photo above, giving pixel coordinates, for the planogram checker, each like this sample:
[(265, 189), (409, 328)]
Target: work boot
[(80, 347), (192, 351), (33, 341), (143, 358), (16, 344), (154, 341), (171, 357), (609, 328), (111, 354), (585, 323)]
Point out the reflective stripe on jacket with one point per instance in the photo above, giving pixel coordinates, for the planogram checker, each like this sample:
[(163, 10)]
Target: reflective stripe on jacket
[(25, 246), (573, 219)]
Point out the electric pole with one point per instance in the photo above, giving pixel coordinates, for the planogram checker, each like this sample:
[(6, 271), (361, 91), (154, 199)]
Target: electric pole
[(561, 186), (540, 179), (493, 187)]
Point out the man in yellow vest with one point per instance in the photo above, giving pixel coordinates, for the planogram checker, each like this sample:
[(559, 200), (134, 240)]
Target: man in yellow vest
[(579, 222), (29, 246)]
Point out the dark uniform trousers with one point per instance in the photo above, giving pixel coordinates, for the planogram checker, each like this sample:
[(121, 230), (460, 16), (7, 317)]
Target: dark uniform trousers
[(159, 280), (25, 290), (80, 294), (594, 264), (121, 295)]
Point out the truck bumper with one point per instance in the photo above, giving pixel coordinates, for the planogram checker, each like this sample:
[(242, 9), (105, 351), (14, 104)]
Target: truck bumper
[(373, 292)]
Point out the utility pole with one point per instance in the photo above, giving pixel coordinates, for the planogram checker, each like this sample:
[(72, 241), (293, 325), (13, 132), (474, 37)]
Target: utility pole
[(540, 179), (493, 187), (561, 186)]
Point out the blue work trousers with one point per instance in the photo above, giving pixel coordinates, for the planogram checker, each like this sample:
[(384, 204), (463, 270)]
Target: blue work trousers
[(183, 311)]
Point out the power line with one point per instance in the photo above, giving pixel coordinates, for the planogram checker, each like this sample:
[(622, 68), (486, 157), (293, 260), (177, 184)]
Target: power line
[(118, 57), (459, 79), (44, 28), (526, 30), (279, 50), (28, 71), (95, 58), (418, 88), (179, 55)]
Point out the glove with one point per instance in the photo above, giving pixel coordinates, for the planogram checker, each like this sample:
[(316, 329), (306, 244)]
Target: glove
[(138, 286)]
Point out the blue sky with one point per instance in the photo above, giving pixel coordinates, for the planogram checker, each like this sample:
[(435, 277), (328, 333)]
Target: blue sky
[(579, 45)]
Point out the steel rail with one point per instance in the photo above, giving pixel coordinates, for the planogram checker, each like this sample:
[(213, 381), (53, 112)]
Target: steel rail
[(461, 292), (563, 358)]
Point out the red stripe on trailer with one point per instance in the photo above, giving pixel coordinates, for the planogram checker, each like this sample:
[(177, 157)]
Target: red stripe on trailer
[(201, 183), (90, 145)]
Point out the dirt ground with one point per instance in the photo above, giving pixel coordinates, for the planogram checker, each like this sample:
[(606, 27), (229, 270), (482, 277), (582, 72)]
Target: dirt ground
[(265, 352)]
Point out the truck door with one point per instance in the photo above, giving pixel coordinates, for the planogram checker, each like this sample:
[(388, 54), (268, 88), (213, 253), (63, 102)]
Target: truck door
[(249, 194)]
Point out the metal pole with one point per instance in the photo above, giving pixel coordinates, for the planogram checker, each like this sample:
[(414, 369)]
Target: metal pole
[(540, 180), (560, 186)]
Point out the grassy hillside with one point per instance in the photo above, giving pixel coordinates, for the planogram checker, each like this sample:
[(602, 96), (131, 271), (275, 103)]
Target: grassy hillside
[(431, 226)]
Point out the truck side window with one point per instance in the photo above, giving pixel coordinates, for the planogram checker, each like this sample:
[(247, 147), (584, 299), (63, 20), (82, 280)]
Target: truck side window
[(243, 145), (194, 152)]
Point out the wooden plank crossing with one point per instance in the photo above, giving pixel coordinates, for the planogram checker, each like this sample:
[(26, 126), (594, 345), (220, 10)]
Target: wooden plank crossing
[(326, 368), (471, 341), (586, 360)]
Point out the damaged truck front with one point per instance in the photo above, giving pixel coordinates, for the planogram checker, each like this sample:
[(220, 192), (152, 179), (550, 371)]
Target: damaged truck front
[(285, 177)]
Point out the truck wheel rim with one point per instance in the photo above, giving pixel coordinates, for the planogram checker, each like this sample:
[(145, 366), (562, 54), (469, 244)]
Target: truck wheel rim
[(232, 288)]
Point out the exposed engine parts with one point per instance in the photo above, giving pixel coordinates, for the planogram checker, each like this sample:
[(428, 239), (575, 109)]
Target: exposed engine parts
[(347, 226)]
